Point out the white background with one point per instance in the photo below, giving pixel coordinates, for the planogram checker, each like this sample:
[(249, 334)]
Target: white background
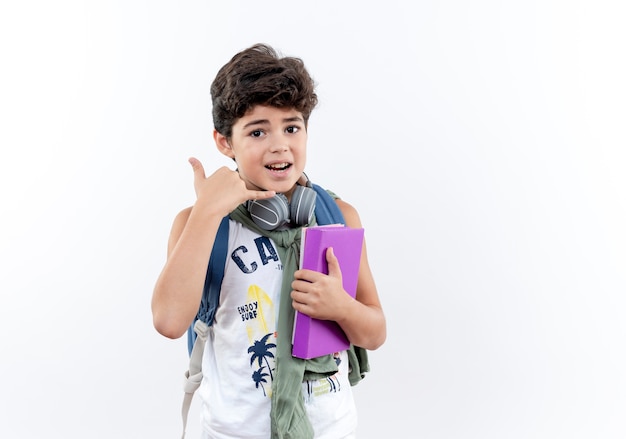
[(482, 142)]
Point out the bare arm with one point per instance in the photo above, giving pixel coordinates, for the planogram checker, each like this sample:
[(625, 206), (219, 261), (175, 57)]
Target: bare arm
[(322, 296), (178, 289)]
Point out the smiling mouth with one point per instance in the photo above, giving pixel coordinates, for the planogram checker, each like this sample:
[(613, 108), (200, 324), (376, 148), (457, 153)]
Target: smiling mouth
[(278, 166)]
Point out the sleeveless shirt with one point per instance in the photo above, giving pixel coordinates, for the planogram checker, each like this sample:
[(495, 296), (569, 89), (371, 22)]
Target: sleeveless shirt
[(238, 363)]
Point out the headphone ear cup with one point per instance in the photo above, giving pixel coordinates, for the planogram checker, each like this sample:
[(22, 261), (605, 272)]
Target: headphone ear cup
[(302, 205), (271, 213)]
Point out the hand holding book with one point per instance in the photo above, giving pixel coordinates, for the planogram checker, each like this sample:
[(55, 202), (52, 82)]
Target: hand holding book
[(319, 289), (320, 295)]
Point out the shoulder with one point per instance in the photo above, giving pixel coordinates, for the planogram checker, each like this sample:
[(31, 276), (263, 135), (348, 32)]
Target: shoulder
[(350, 214)]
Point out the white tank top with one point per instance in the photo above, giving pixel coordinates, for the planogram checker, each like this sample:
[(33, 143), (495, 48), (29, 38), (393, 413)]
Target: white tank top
[(238, 363)]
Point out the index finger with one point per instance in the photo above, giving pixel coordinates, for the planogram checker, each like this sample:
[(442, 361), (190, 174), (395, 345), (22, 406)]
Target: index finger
[(260, 195)]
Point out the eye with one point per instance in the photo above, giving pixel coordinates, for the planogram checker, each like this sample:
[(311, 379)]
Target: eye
[(256, 133), (292, 129)]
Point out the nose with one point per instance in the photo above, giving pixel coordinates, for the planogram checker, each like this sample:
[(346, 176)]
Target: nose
[(280, 144)]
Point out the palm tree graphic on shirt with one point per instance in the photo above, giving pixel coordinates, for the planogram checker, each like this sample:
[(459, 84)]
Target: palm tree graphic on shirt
[(261, 351), (259, 378)]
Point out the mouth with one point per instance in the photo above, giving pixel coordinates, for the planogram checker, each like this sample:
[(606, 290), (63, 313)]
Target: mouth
[(278, 167)]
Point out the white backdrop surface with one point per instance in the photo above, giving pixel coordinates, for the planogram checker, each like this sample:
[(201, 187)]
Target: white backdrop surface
[(482, 142)]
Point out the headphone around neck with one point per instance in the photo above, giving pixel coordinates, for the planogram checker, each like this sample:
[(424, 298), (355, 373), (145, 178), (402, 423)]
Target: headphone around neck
[(276, 212)]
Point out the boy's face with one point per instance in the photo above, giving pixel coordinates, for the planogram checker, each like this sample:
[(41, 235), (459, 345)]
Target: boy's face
[(269, 147)]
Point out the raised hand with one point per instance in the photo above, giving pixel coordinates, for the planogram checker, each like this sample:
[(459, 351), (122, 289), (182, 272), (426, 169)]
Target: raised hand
[(224, 190)]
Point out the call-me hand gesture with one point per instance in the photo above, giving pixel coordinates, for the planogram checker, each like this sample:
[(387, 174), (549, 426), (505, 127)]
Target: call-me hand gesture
[(224, 190)]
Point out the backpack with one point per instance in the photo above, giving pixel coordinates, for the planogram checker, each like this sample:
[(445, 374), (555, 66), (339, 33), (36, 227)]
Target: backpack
[(326, 212)]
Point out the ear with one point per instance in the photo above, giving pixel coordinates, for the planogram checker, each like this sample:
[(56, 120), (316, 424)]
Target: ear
[(223, 145)]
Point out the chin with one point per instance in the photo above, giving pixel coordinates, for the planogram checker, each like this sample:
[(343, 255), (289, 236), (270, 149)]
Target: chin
[(284, 189), (281, 187)]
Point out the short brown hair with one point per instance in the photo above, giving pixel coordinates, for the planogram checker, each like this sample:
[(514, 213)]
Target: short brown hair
[(259, 76)]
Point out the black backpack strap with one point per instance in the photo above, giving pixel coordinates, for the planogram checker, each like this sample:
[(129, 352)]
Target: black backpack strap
[(199, 329), (212, 282)]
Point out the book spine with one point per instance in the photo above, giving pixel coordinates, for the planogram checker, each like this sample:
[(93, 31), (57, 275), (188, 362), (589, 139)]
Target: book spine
[(303, 323)]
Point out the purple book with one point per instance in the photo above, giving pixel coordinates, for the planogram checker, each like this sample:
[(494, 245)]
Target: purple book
[(313, 337)]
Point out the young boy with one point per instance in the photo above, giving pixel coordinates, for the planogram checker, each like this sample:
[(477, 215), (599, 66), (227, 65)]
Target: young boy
[(252, 387)]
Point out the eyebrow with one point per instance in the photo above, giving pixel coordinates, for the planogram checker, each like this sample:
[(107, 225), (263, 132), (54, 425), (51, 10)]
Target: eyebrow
[(266, 122)]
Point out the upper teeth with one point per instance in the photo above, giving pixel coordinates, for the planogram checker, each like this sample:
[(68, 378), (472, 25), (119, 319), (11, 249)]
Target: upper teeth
[(278, 166)]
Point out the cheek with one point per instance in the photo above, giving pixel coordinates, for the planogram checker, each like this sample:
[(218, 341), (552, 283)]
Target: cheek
[(300, 155)]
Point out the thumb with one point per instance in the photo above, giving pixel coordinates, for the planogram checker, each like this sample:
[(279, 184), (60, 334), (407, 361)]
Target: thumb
[(334, 269), (198, 169)]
